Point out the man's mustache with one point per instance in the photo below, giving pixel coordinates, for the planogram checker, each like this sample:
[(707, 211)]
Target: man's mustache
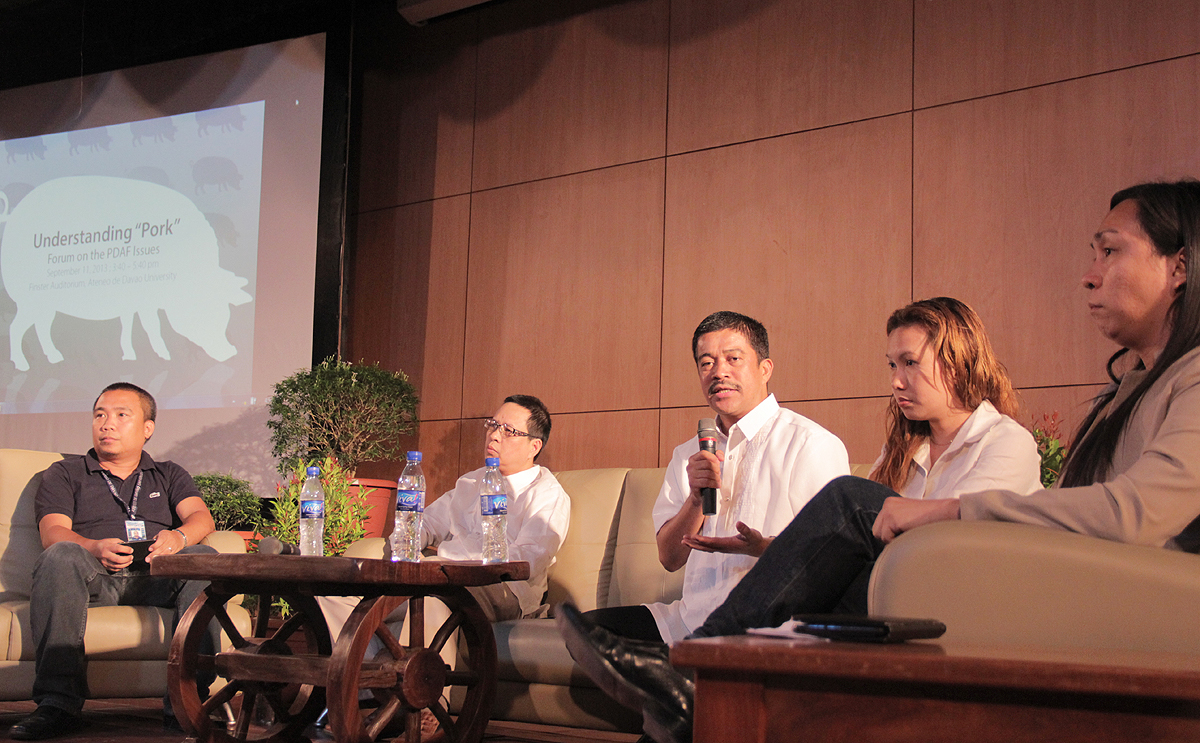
[(712, 388)]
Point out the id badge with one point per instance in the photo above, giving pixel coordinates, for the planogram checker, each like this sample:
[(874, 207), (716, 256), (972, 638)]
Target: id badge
[(135, 531)]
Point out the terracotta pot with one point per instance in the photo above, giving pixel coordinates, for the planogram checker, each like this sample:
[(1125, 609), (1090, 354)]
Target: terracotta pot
[(382, 504), (248, 536)]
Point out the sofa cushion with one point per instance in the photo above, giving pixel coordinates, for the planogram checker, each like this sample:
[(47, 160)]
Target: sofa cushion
[(124, 632), (594, 497), (635, 574), (20, 542), (1013, 584), (532, 650)]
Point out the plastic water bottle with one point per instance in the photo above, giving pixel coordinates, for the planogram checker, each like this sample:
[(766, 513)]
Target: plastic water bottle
[(312, 514), (493, 507), (410, 511)]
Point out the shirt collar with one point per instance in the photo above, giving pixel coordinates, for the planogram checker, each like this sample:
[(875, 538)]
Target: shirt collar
[(973, 428), (92, 461), (751, 422), (518, 481)]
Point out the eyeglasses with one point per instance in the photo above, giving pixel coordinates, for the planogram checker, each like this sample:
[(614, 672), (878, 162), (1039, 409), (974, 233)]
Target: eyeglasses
[(491, 424)]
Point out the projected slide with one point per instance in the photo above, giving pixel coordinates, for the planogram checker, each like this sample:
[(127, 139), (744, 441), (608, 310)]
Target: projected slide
[(130, 251)]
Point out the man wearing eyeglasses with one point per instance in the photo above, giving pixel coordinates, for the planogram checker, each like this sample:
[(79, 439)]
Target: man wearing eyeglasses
[(539, 510)]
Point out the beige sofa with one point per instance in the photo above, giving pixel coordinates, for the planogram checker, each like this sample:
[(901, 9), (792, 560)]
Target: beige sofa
[(126, 645), (997, 584), (1017, 585)]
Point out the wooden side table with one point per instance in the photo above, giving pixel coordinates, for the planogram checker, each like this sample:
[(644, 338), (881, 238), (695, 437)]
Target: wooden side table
[(763, 689), (297, 686)]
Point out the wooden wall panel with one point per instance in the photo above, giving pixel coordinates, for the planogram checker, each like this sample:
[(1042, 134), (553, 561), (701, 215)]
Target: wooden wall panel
[(409, 303), (858, 422), (441, 456), (1008, 191), (442, 450), (565, 290), (969, 49), (577, 256), (417, 109), (677, 425), (562, 92), (809, 234), (744, 70), (624, 438)]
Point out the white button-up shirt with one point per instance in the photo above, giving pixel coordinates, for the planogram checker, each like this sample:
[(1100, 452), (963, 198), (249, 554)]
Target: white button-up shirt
[(775, 461), (539, 514), (991, 451)]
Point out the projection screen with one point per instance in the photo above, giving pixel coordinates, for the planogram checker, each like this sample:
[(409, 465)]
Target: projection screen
[(158, 225)]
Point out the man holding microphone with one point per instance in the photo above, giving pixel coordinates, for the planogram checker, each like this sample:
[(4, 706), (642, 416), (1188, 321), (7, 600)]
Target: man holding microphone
[(765, 463)]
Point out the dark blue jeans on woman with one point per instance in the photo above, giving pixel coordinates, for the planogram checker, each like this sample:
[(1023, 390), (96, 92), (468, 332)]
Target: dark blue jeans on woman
[(821, 563)]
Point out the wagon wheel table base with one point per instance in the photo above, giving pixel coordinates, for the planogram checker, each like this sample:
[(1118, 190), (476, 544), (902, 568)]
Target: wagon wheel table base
[(278, 681)]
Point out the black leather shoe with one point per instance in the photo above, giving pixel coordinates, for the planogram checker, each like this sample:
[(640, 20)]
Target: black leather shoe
[(46, 722), (637, 674)]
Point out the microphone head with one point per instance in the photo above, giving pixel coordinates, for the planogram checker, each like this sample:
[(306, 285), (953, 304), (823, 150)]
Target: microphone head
[(273, 546), (706, 428)]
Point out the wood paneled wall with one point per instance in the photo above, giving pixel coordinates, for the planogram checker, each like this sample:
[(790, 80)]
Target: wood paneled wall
[(551, 194)]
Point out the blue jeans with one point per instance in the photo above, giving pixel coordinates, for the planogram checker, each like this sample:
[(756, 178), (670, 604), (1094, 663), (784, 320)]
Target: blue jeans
[(821, 563), (66, 580)]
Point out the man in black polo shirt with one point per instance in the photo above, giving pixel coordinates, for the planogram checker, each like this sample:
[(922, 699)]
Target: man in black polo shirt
[(87, 508)]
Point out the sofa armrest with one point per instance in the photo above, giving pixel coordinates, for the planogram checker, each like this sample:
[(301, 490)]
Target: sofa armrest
[(1011, 584), (225, 541)]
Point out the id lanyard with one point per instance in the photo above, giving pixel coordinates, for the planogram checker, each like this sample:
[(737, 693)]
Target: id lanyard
[(131, 509)]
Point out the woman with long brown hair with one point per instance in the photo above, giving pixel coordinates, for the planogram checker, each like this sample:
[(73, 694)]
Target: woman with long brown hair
[(950, 426)]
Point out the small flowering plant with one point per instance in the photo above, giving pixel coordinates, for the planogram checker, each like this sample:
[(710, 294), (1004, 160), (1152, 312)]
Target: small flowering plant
[(1048, 435), (345, 512)]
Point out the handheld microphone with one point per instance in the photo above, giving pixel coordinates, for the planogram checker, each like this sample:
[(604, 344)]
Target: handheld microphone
[(706, 431), (272, 546)]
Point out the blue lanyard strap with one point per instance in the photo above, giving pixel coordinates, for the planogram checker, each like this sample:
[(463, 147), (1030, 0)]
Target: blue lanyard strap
[(131, 509)]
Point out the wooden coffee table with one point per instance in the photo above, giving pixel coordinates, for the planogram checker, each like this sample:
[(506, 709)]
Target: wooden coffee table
[(764, 689), (297, 686)]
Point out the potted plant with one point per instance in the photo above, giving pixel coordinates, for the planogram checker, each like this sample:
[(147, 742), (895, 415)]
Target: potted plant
[(345, 515), (1047, 434), (232, 502), (345, 507), (352, 412)]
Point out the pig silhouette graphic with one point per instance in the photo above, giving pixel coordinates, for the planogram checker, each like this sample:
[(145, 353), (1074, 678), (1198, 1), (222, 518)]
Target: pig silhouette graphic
[(216, 171), (154, 129), (98, 247), (30, 148), (92, 139), (228, 118)]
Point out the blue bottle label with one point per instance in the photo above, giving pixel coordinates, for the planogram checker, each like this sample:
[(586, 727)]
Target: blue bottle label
[(493, 505), (410, 501), (312, 509)]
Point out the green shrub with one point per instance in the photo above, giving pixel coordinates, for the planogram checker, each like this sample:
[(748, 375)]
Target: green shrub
[(231, 500), (353, 412)]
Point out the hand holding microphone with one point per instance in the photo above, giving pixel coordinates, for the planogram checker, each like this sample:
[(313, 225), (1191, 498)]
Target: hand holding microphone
[(706, 431)]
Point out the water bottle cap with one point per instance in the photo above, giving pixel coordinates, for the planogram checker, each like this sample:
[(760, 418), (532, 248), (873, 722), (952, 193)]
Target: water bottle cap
[(492, 461), (414, 456), (313, 471)]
